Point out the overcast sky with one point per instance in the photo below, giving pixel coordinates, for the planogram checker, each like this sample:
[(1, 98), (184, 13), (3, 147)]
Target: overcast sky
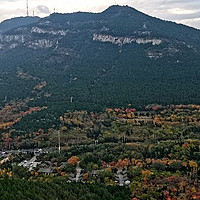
[(182, 11)]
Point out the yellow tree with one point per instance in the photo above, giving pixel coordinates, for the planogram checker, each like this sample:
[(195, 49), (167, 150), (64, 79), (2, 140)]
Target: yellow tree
[(194, 166), (146, 174)]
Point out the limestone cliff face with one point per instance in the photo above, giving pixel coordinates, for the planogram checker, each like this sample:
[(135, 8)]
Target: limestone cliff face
[(125, 40), (50, 32), (42, 43), (29, 39), (12, 38), (13, 41)]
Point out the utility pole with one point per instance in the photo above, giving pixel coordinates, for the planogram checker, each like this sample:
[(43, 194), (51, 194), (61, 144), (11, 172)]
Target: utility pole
[(27, 11), (124, 139), (70, 79), (5, 99), (59, 141), (96, 142)]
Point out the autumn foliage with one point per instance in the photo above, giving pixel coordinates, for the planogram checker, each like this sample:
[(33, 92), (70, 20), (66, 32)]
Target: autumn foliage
[(73, 160)]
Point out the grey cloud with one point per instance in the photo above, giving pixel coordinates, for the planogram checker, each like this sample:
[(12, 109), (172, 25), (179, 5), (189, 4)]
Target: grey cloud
[(6, 14), (8, 0), (161, 9), (43, 9), (183, 16)]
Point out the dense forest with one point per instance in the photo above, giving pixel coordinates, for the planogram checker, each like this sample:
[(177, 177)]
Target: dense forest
[(59, 189), (121, 153)]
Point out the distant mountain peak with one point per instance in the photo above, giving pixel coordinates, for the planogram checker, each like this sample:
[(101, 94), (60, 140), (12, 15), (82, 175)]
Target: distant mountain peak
[(117, 8)]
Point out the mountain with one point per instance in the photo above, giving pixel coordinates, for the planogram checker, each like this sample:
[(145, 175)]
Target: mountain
[(96, 60), (16, 22)]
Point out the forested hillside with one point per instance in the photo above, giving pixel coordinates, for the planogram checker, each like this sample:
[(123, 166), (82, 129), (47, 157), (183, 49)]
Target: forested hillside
[(96, 60), (16, 22)]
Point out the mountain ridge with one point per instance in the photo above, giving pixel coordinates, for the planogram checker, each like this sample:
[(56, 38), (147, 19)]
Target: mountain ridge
[(92, 61), (12, 23)]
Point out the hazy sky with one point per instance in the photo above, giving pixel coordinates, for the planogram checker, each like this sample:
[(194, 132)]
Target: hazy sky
[(181, 11)]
